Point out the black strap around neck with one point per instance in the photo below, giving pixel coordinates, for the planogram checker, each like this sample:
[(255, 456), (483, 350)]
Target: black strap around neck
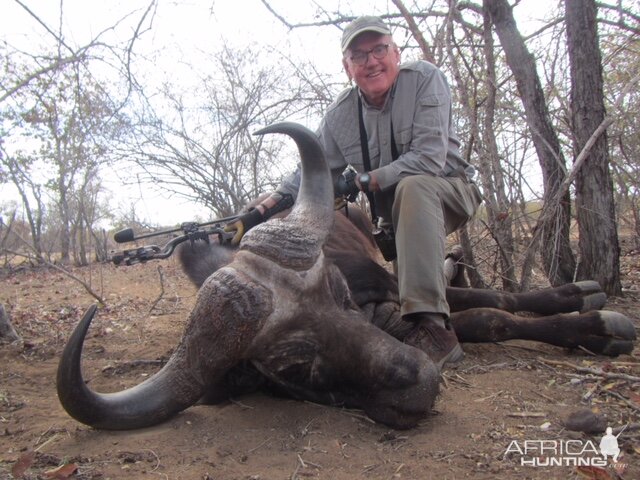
[(366, 161), (394, 149)]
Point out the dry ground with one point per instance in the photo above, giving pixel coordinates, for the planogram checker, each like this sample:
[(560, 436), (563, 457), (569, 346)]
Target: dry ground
[(498, 394)]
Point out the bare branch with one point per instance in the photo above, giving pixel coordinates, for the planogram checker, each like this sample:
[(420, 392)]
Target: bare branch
[(64, 271), (45, 26), (56, 65), (415, 31), (277, 15), (582, 156)]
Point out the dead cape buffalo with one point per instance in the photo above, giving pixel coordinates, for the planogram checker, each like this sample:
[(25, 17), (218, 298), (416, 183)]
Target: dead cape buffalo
[(303, 308)]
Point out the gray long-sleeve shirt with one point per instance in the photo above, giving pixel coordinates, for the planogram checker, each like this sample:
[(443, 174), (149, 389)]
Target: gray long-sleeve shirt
[(419, 109)]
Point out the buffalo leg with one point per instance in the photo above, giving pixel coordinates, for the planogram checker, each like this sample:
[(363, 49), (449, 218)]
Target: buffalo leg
[(605, 332), (573, 297)]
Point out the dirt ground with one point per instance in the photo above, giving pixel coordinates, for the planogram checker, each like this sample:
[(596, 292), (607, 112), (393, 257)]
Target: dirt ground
[(500, 394)]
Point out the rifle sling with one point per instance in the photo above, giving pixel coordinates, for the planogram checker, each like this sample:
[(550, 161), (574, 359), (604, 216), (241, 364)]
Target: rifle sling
[(366, 161)]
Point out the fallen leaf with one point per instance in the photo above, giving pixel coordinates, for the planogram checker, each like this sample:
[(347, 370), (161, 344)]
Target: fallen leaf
[(61, 473), (22, 464)]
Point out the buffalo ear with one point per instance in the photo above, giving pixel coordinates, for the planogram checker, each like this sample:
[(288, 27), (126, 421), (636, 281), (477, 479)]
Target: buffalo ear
[(339, 288), (200, 259)]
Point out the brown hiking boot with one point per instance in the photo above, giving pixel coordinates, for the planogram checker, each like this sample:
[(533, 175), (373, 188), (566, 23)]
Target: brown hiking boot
[(437, 341)]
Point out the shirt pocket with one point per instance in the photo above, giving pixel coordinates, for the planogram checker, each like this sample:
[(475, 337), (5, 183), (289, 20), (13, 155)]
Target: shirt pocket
[(353, 156), (433, 100), (403, 140), (431, 110)]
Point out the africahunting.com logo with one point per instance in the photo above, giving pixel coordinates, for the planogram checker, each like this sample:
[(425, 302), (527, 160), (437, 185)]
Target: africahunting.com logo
[(565, 453)]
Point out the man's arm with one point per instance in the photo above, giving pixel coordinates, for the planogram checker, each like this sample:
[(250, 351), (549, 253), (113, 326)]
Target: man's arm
[(274, 203)]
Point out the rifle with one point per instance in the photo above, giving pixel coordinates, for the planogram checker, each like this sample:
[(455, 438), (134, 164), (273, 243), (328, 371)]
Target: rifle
[(191, 231)]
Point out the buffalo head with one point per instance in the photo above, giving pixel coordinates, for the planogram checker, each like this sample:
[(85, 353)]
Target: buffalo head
[(283, 307)]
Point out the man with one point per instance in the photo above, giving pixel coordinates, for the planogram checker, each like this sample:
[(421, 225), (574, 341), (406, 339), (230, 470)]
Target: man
[(395, 128)]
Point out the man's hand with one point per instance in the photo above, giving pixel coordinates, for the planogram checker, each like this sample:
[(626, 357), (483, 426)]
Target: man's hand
[(346, 186), (350, 183), (243, 224), (271, 205)]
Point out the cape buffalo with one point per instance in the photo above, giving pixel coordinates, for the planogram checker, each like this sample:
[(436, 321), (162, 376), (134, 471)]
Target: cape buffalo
[(304, 308)]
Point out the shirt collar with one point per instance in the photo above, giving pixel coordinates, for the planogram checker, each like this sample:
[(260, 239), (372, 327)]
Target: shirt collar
[(387, 101)]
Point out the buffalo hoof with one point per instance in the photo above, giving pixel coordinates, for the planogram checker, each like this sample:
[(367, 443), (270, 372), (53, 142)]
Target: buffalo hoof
[(457, 253), (614, 334), (582, 297), (593, 298), (454, 267)]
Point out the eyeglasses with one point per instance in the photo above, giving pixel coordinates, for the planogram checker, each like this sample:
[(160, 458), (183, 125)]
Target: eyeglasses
[(360, 57)]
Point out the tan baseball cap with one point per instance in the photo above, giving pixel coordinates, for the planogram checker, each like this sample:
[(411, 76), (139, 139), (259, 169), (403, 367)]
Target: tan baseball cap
[(367, 23)]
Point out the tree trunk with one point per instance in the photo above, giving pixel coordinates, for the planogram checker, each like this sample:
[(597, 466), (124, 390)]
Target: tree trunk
[(469, 103), (475, 279), (100, 240), (500, 217), (81, 236), (7, 332), (595, 209), (34, 214), (559, 262), (65, 225)]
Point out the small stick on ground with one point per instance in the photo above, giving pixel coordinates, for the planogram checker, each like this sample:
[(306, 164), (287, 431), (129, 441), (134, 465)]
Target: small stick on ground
[(630, 427), (161, 274), (592, 371), (626, 401), (84, 284)]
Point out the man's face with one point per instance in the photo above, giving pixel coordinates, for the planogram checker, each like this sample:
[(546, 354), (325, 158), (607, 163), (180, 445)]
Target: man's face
[(376, 76)]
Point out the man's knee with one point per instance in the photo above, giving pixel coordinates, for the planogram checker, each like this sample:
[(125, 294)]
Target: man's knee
[(417, 190)]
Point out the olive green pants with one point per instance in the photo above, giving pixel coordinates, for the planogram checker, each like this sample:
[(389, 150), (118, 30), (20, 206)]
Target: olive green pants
[(425, 210)]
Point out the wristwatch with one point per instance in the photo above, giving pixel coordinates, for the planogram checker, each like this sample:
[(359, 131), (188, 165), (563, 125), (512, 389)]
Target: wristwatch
[(364, 179)]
